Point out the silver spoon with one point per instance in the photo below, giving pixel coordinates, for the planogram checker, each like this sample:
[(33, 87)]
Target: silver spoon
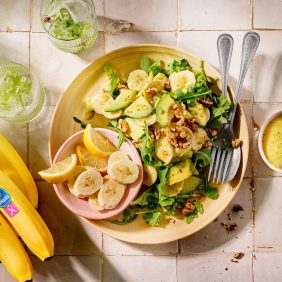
[(250, 44)]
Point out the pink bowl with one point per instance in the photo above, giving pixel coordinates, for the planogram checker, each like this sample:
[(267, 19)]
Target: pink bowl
[(80, 206)]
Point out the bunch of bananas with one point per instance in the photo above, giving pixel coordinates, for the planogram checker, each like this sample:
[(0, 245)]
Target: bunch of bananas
[(18, 203)]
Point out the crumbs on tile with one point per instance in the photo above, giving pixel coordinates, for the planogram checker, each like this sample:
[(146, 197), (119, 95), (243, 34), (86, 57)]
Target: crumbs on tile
[(229, 227), (237, 208)]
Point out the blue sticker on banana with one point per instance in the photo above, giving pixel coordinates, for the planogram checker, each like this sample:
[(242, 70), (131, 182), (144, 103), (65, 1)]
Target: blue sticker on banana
[(5, 198)]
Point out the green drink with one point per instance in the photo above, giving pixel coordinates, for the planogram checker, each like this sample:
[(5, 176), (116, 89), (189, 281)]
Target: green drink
[(21, 96), (71, 25)]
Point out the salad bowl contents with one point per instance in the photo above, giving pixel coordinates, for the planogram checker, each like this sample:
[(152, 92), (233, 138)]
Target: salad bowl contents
[(172, 115), (92, 177), (168, 103)]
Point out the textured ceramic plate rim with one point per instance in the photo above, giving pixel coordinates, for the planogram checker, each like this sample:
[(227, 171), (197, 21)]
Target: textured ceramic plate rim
[(128, 236)]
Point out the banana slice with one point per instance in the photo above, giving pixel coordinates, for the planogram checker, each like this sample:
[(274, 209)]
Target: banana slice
[(181, 80), (137, 80), (117, 156), (87, 183), (150, 175), (164, 150), (200, 137), (94, 203), (111, 194), (124, 171), (78, 170), (98, 102)]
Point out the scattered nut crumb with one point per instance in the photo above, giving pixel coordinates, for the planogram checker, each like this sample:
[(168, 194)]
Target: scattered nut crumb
[(229, 227), (216, 220), (237, 143), (252, 183), (205, 101), (234, 260), (236, 208), (206, 237), (254, 256), (238, 255), (226, 269), (229, 216)]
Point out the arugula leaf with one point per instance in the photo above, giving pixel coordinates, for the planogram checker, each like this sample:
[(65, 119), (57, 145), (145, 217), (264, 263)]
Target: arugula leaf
[(113, 123), (153, 218), (121, 138), (145, 198), (202, 158), (77, 120), (177, 66), (145, 63), (190, 94), (216, 123), (155, 68), (222, 105), (113, 78), (128, 216), (211, 192), (162, 178), (199, 207), (146, 149), (190, 217), (165, 201)]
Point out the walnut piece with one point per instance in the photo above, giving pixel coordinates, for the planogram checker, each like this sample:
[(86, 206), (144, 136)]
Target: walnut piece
[(123, 125), (237, 143), (179, 136), (156, 131), (121, 86), (188, 208), (205, 101), (167, 86), (152, 91)]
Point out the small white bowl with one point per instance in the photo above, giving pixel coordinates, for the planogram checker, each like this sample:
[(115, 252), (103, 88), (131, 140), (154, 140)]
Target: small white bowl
[(261, 134)]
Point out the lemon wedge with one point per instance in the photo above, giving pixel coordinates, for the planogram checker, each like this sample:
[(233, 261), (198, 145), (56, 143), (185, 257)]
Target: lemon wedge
[(96, 143), (60, 171), (87, 159)]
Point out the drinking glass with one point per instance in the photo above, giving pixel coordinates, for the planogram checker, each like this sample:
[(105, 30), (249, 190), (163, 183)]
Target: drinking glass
[(71, 25), (21, 95)]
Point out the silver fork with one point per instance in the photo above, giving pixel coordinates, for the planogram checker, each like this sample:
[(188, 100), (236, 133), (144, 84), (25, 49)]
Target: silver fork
[(220, 157)]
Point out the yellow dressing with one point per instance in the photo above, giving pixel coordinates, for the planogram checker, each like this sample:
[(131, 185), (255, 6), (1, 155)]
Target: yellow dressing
[(272, 142)]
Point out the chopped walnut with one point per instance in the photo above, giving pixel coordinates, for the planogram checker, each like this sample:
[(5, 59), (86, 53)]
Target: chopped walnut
[(136, 143), (156, 131), (211, 132), (192, 124), (123, 125), (179, 136), (188, 208), (178, 113), (207, 144), (237, 143), (152, 91), (238, 255), (121, 86), (205, 101)]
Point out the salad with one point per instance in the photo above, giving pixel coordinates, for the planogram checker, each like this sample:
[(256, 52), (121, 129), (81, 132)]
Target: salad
[(171, 113)]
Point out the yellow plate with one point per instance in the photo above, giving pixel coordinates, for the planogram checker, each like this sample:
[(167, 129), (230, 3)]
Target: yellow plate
[(88, 82)]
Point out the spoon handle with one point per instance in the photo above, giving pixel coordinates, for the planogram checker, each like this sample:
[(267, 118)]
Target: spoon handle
[(224, 50), (250, 44), (249, 47)]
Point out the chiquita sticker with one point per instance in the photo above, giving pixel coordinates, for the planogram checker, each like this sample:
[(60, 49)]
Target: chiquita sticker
[(6, 203)]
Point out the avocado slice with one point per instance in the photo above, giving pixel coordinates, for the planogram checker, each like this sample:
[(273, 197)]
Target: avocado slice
[(200, 113), (139, 109), (135, 130), (180, 171), (172, 190), (125, 98), (162, 110), (190, 184)]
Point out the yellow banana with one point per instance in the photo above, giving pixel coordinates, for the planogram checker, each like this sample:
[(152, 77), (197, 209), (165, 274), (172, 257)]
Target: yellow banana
[(12, 253), (25, 219), (13, 166)]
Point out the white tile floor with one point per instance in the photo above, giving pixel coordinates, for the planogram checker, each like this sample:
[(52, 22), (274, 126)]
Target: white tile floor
[(85, 255)]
